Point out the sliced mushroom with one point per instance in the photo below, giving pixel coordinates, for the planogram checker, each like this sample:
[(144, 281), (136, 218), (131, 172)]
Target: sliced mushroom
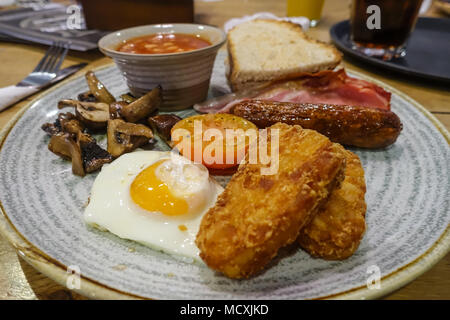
[(93, 114), (144, 106), (52, 128), (98, 89), (162, 124), (128, 97), (133, 129), (71, 143), (66, 122), (71, 125), (87, 97), (66, 147), (124, 137), (93, 156), (115, 109)]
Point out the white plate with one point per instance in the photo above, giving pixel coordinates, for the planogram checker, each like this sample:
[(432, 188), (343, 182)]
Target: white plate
[(408, 200)]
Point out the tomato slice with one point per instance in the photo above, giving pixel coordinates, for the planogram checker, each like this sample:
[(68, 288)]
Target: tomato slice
[(218, 141)]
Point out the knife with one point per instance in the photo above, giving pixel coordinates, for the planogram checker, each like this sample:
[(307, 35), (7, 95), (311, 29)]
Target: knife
[(12, 94), (64, 73)]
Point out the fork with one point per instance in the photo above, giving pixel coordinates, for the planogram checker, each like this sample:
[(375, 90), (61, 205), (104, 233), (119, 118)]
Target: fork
[(46, 70)]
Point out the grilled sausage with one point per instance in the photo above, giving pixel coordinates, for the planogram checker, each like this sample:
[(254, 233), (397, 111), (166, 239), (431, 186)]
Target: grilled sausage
[(349, 125)]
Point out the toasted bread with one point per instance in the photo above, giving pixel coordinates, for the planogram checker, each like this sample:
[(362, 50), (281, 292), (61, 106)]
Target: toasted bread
[(267, 50)]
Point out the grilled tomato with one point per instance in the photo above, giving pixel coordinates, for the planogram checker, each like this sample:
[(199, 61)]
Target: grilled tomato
[(218, 141)]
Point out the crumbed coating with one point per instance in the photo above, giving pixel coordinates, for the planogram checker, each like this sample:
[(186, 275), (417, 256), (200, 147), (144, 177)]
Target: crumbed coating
[(336, 230), (258, 214)]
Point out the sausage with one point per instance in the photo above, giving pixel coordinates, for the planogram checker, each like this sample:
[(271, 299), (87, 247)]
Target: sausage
[(348, 125)]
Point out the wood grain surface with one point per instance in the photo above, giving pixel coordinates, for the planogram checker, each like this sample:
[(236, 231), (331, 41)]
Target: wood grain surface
[(20, 281)]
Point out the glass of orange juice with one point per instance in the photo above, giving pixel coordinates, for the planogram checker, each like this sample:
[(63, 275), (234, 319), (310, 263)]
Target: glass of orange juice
[(312, 9)]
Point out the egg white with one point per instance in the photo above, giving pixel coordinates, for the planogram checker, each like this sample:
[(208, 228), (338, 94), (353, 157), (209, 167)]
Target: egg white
[(111, 207)]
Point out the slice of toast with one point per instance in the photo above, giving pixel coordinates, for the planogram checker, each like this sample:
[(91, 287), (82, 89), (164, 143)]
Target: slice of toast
[(266, 50)]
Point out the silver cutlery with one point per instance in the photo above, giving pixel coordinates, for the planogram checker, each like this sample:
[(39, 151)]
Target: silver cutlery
[(46, 72)]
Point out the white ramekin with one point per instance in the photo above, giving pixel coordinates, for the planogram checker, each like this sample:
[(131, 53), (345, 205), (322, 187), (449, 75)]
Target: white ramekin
[(183, 76)]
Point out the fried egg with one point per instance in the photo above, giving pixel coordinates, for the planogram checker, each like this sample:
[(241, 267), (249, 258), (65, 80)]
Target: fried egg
[(155, 198)]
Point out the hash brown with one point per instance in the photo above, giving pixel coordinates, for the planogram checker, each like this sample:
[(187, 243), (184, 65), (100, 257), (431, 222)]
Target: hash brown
[(336, 230), (258, 214)]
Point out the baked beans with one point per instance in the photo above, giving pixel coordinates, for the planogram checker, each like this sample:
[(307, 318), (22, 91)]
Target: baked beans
[(163, 43)]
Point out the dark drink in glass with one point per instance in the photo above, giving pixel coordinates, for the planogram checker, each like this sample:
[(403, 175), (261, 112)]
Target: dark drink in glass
[(382, 27)]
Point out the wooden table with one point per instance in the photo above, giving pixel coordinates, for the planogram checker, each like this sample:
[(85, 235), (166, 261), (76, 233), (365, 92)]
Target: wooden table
[(20, 281)]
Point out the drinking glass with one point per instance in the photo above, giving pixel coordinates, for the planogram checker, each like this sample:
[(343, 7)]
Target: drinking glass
[(381, 28), (312, 9)]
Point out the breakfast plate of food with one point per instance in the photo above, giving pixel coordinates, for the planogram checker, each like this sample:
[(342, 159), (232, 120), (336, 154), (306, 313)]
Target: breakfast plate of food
[(334, 185)]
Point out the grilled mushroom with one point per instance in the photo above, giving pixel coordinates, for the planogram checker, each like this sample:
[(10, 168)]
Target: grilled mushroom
[(93, 114), (98, 89), (124, 137), (144, 106), (115, 109), (128, 97), (92, 154), (64, 145), (87, 97), (66, 122), (52, 128), (70, 142), (162, 124), (71, 124)]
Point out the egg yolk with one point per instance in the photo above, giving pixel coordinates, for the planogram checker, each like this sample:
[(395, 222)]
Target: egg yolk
[(152, 194)]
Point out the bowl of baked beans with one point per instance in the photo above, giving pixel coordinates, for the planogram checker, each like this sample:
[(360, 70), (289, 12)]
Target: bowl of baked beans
[(179, 57)]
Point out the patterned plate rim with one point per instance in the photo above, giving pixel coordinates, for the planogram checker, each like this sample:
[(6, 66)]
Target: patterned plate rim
[(95, 290)]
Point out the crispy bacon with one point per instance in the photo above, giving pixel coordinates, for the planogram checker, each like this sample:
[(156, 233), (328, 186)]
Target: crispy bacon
[(326, 87)]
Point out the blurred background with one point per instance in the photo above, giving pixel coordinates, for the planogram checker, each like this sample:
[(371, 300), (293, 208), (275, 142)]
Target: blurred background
[(85, 21)]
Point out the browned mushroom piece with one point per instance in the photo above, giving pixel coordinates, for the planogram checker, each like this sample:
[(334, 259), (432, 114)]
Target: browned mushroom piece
[(124, 137), (93, 114), (70, 142), (71, 125), (87, 97), (115, 109), (162, 124), (51, 128), (65, 146), (144, 106), (128, 97), (98, 89), (93, 156), (66, 122)]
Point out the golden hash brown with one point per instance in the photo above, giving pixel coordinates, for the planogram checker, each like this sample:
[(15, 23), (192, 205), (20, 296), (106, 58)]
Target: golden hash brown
[(258, 214), (336, 230)]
